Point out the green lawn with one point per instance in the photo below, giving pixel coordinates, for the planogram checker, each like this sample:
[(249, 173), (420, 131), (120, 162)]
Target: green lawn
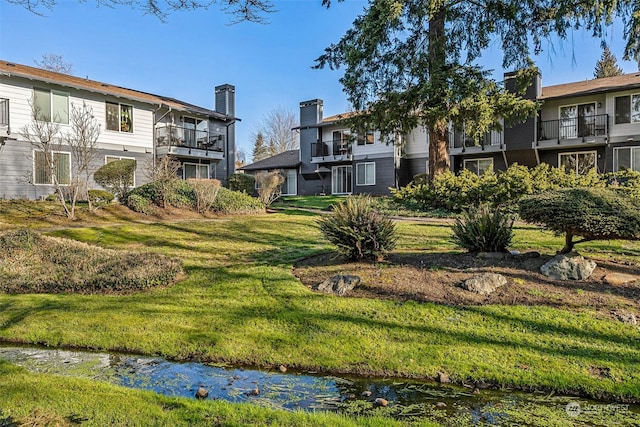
[(308, 202), (240, 303)]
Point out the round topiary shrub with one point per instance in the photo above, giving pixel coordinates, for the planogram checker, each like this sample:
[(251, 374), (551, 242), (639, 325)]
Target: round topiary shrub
[(592, 213), (483, 229), (358, 230)]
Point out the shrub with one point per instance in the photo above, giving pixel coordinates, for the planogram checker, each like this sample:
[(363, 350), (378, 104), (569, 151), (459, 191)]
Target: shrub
[(205, 192), (117, 177), (358, 230), (241, 182), (140, 204), (269, 186), (592, 213), (31, 263), (483, 229), (100, 197), (180, 194), (229, 202)]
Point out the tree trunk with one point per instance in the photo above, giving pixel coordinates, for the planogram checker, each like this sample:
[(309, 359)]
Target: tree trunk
[(568, 244), (438, 126)]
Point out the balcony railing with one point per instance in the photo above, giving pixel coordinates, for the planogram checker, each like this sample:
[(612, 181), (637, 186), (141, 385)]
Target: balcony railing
[(331, 148), (459, 139), (4, 112), (579, 127), (177, 136)]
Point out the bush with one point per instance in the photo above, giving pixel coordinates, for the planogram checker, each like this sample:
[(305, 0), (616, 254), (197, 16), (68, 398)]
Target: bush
[(180, 194), (269, 186), (139, 204), (358, 229), (229, 202), (100, 197), (241, 182), (117, 177), (483, 229), (205, 192), (592, 213), (31, 263)]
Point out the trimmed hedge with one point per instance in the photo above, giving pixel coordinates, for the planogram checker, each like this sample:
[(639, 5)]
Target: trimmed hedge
[(116, 176), (459, 192), (229, 202), (32, 263), (241, 182), (592, 213)]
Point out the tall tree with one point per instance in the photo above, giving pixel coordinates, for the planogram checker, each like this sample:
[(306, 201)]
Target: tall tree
[(607, 65), (276, 127), (241, 10), (415, 61), (260, 151), (53, 62)]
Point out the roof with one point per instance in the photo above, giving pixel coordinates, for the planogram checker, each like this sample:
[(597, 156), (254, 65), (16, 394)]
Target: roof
[(12, 69), (605, 84), (286, 160)]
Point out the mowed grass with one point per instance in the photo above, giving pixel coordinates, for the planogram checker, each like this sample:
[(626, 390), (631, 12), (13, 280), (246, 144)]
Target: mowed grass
[(240, 303)]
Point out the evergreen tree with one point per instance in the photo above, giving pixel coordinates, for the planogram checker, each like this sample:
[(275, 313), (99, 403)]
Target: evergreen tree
[(414, 62), (260, 151), (607, 66)]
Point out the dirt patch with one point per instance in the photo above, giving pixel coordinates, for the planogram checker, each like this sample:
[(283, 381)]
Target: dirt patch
[(435, 277)]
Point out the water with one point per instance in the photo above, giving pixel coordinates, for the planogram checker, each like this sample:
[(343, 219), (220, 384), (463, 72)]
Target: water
[(289, 391)]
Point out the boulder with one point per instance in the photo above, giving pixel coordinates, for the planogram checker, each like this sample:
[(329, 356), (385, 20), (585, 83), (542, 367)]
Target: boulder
[(617, 279), (484, 283), (339, 284), (381, 402), (202, 393), (568, 266)]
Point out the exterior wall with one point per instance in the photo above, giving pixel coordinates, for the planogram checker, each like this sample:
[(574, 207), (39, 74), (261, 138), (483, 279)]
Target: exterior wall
[(384, 177), (551, 157), (310, 115), (621, 132)]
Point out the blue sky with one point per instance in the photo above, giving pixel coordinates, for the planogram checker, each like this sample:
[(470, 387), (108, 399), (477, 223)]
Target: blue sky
[(270, 65)]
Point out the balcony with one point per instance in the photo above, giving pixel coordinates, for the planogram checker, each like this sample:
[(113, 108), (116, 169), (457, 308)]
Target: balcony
[(331, 151), (573, 131), (460, 142), (186, 142), (5, 129)]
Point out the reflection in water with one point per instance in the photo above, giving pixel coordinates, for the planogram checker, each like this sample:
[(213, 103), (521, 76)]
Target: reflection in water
[(351, 395)]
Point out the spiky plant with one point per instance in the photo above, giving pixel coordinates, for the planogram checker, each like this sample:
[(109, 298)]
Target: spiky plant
[(483, 229)]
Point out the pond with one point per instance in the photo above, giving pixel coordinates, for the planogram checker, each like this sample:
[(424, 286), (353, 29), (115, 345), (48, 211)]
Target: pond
[(307, 391)]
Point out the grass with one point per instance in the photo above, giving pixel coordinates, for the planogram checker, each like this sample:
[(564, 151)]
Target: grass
[(308, 202), (239, 303)]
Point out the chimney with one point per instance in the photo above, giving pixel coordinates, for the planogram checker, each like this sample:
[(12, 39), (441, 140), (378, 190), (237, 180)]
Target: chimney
[(310, 133), (225, 103), (225, 99)]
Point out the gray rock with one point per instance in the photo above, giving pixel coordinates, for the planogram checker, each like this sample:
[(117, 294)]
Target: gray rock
[(627, 317), (568, 266), (525, 255), (339, 284), (202, 393), (367, 393), (491, 255), (484, 283)]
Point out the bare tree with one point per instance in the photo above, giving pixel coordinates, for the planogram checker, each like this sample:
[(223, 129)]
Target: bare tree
[(83, 140), (269, 186), (53, 62), (164, 172), (43, 134), (241, 10), (276, 127)]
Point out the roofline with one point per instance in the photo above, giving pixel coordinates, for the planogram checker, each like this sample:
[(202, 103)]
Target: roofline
[(591, 91)]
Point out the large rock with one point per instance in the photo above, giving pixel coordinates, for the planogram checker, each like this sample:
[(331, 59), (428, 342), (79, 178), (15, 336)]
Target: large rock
[(568, 266), (339, 284), (484, 283)]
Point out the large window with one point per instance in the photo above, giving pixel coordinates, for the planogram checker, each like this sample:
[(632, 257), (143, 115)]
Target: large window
[(366, 173), (580, 163), (193, 170), (577, 120), (119, 117), (51, 105), (479, 166), (132, 178), (627, 158), (627, 109), (341, 182), (57, 166), (290, 186), (365, 138)]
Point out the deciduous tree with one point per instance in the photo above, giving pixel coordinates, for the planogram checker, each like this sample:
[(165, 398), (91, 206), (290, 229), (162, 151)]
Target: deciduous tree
[(276, 127), (53, 62), (415, 61)]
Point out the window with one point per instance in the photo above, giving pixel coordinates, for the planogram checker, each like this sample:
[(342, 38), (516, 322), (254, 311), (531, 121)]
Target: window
[(626, 158), (109, 159), (193, 170), (51, 105), (479, 166), (44, 170), (119, 117), (580, 163), (365, 138), (341, 142), (290, 186), (577, 120), (366, 173), (627, 109)]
